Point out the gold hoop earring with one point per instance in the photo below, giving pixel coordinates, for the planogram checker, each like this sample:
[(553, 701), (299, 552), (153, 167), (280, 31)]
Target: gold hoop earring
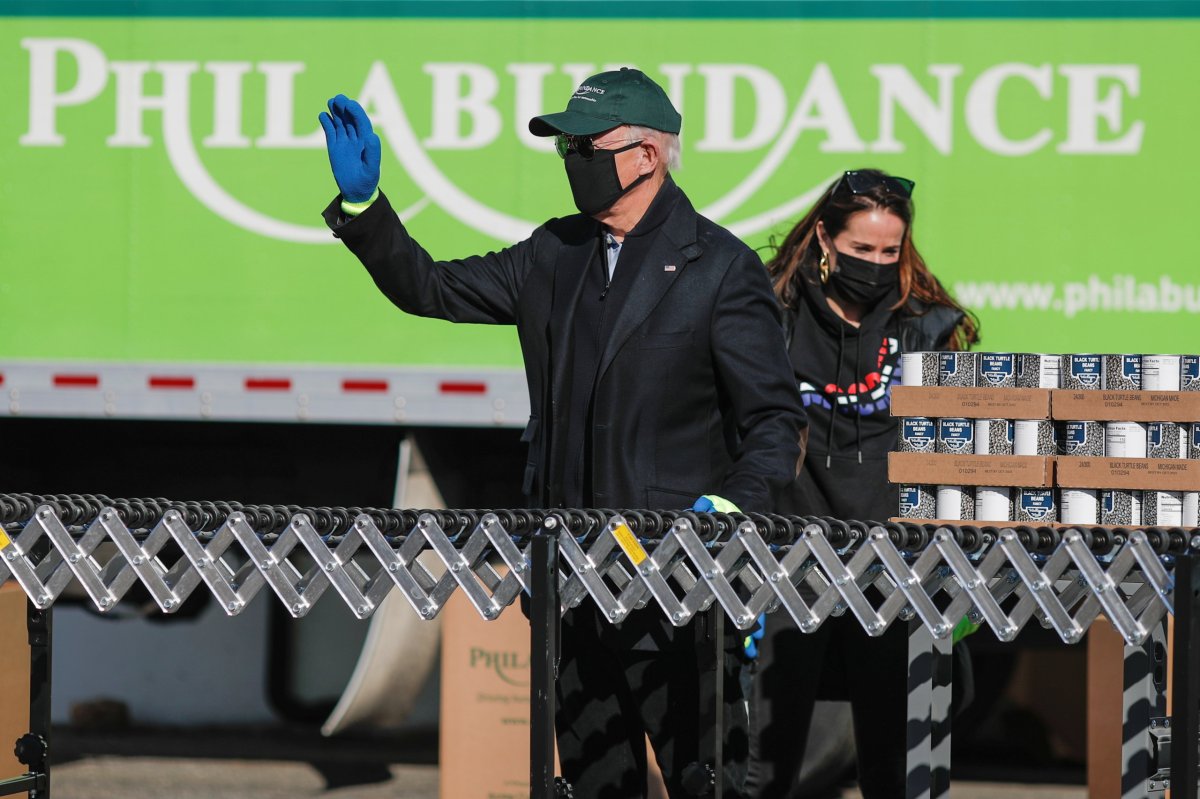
[(824, 267)]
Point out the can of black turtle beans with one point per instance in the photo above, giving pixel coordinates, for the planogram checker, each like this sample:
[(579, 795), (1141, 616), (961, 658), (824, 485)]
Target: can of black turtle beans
[(996, 370), (1034, 437), (1035, 506), (1161, 372), (1121, 507), (1125, 439), (1189, 373), (994, 503), (1167, 440), (918, 502), (919, 368), (917, 434), (1079, 506), (1123, 372), (955, 436), (956, 503), (1191, 509), (994, 436), (1081, 439), (1038, 370), (957, 369), (1082, 372), (1162, 508), (1191, 499)]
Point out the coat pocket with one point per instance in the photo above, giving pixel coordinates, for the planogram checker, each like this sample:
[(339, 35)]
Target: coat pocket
[(669, 499), (665, 341)]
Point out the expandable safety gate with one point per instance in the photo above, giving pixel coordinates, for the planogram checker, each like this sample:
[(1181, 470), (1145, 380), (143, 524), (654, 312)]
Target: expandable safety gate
[(687, 564)]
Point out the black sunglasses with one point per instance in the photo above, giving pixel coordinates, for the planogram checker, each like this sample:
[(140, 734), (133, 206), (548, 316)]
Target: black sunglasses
[(862, 182), (583, 145)]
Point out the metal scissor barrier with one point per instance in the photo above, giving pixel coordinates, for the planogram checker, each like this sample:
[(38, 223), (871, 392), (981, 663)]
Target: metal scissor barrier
[(688, 565)]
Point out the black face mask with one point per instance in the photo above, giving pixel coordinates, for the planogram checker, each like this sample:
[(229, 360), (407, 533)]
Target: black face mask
[(863, 282), (595, 185)]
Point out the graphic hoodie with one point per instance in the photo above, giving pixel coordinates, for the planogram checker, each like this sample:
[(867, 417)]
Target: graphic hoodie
[(845, 374)]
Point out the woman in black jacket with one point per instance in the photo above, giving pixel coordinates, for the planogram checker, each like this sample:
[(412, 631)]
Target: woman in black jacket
[(855, 294)]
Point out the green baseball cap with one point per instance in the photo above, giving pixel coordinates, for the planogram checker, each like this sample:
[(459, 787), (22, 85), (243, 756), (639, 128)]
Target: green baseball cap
[(602, 102)]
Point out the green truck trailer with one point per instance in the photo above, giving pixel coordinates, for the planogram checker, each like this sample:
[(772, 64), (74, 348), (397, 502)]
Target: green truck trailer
[(176, 319)]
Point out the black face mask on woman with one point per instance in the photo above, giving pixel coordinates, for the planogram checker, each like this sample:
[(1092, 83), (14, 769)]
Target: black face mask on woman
[(863, 282), (595, 185)]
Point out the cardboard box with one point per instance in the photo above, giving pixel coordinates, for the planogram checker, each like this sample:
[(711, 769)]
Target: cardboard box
[(1027, 471), (962, 522), (14, 665), (1105, 725), (1162, 474), (971, 403), (1126, 406), (484, 727)]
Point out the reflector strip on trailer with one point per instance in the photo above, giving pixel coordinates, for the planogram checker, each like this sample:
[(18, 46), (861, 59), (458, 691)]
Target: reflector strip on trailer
[(365, 385), (171, 382), (76, 381), (266, 392), (268, 384), (446, 387)]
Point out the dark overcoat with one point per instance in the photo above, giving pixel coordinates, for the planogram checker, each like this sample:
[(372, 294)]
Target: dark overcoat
[(694, 393)]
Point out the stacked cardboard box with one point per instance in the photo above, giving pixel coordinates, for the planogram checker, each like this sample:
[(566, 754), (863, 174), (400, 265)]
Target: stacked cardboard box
[(1038, 439)]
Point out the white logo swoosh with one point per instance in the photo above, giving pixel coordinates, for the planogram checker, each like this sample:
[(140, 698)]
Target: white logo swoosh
[(379, 93), (183, 157)]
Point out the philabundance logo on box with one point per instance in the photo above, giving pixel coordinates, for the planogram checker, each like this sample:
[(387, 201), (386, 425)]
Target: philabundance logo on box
[(511, 667)]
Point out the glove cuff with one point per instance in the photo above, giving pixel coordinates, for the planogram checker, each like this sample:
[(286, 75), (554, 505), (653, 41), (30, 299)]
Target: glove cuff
[(354, 209), (722, 505)]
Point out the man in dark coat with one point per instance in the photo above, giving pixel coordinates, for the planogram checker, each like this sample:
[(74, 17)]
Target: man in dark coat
[(657, 374)]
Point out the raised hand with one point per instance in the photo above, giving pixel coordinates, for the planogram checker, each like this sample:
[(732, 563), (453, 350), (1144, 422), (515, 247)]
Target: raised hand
[(354, 148)]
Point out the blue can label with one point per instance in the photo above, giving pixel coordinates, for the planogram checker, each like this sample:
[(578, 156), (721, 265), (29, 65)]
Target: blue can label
[(997, 369), (1087, 370), (1154, 434), (910, 498), (1075, 435), (1190, 373), (1131, 368), (918, 433), (957, 435), (1037, 504)]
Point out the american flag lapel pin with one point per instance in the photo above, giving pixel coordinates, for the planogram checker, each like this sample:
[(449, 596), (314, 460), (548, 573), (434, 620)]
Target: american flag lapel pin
[(669, 268)]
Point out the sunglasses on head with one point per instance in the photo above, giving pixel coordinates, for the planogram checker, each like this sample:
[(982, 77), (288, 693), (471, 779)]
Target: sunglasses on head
[(565, 143), (857, 182)]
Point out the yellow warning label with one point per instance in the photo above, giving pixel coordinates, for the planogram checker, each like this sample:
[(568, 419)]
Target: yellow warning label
[(629, 544), (4, 540)]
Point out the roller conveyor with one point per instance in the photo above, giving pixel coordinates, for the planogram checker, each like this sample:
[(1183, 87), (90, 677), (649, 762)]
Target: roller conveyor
[(686, 565)]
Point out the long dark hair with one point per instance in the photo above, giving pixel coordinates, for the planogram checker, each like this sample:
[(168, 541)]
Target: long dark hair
[(798, 256)]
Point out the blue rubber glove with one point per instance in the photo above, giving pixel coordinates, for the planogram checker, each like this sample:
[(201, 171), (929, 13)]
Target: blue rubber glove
[(710, 503), (354, 149), (750, 642)]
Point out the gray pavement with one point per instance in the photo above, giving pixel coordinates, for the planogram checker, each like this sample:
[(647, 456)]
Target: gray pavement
[(116, 777), (291, 763)]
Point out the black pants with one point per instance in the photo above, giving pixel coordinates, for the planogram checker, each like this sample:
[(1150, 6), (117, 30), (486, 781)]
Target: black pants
[(839, 661), (611, 697)]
